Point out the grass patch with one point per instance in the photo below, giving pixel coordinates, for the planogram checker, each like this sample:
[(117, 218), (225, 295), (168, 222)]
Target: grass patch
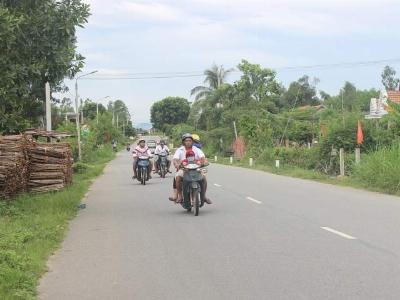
[(33, 226), (365, 176)]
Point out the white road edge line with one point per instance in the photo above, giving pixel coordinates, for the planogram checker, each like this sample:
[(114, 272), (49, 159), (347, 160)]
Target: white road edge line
[(346, 236), (254, 200), (217, 185)]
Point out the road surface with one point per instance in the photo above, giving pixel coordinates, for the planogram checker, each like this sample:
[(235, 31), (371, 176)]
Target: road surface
[(265, 237)]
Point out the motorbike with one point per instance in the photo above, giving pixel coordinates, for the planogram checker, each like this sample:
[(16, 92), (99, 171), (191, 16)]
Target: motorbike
[(162, 164), (142, 169), (128, 148), (193, 190)]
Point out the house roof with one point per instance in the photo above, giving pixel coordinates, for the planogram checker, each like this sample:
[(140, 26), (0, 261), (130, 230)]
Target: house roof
[(394, 96), (316, 107)]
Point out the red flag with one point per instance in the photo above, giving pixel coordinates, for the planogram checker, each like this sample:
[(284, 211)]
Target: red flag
[(360, 135)]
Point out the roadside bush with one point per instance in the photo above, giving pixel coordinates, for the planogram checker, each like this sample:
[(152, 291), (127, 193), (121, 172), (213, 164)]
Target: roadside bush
[(217, 141), (380, 169), (80, 167), (295, 157), (298, 156), (178, 130)]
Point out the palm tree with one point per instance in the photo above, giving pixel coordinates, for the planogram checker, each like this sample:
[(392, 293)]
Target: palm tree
[(215, 77)]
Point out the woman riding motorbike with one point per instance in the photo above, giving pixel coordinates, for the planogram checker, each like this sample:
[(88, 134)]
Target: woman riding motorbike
[(141, 150), (162, 149)]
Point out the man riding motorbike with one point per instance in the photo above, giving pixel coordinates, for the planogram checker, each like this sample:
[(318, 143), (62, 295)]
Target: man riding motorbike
[(162, 149), (179, 156), (141, 150)]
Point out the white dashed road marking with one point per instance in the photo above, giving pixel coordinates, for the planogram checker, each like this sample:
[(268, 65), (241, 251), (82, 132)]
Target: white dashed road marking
[(254, 200), (344, 235)]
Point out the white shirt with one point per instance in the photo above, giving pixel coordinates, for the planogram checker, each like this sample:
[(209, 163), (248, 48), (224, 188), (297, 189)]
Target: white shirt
[(161, 150), (139, 151), (180, 153)]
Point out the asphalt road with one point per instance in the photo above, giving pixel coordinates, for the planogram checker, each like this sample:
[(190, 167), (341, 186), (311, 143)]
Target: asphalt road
[(265, 237)]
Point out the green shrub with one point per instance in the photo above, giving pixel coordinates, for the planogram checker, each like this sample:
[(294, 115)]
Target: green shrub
[(300, 157), (380, 169), (80, 167)]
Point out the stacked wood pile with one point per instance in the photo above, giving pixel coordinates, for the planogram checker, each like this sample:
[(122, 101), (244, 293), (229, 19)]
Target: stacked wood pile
[(50, 167), (13, 165)]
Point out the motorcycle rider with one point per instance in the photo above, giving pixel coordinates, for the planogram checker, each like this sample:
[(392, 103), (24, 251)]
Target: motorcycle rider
[(114, 145), (141, 150), (179, 156), (196, 140), (162, 149)]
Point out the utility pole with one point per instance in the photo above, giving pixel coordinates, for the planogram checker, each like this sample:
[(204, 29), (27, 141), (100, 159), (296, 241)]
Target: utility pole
[(81, 111), (113, 118), (78, 129), (342, 109), (234, 127), (48, 107)]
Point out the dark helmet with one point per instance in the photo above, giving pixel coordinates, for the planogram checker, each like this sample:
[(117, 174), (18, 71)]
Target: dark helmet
[(187, 136), (141, 140), (162, 142)]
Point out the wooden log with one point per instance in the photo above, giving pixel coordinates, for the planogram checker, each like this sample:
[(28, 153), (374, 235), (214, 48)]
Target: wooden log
[(46, 175), (48, 188)]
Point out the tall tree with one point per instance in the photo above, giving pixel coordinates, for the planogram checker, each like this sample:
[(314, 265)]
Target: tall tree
[(38, 44), (349, 97), (301, 92), (169, 111), (389, 81), (215, 77), (119, 108), (257, 82), (90, 109)]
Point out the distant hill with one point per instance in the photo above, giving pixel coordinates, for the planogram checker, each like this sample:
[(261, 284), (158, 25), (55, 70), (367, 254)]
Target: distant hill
[(145, 126)]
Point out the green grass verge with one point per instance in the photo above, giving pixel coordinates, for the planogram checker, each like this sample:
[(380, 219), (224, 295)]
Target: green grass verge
[(311, 175), (33, 226)]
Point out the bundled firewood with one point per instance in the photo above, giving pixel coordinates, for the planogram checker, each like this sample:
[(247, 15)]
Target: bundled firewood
[(13, 165), (50, 167)]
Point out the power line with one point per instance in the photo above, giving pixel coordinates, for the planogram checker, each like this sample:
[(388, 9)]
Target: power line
[(342, 64), (146, 77), (151, 73), (188, 74)]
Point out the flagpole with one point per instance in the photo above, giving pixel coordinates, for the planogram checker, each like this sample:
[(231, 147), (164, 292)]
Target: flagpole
[(360, 140)]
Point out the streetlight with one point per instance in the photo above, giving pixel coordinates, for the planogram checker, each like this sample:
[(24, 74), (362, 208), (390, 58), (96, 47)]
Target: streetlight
[(78, 129), (115, 111), (97, 108)]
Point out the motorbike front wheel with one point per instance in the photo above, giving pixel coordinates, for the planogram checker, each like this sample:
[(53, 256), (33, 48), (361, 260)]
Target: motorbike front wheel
[(163, 171), (144, 176), (195, 201)]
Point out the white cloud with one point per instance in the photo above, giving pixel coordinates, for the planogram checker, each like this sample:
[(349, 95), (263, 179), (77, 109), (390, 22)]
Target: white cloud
[(302, 17), (128, 36), (151, 11)]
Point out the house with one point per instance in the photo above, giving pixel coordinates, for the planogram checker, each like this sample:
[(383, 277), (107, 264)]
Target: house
[(394, 96), (317, 108)]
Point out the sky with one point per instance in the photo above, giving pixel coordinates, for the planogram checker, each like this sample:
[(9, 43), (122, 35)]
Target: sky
[(133, 38)]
